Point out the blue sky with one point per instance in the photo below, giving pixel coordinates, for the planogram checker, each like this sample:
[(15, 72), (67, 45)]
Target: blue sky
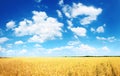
[(59, 27)]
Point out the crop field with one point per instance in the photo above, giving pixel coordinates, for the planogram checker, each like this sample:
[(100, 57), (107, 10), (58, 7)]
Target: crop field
[(60, 66)]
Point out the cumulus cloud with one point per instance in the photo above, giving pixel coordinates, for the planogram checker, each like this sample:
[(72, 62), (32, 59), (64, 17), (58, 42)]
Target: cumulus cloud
[(99, 29), (105, 48), (73, 43), (41, 28), (38, 45), (19, 42), (59, 13), (78, 48), (12, 53), (23, 51), (3, 39), (36, 38), (91, 13), (9, 45), (109, 39), (10, 25), (61, 2), (93, 30), (87, 47), (70, 24), (2, 49), (75, 46), (67, 10), (79, 31)]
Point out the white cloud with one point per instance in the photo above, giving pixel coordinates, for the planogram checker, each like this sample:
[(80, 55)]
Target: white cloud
[(23, 51), (61, 2), (109, 39), (78, 48), (100, 29), (59, 13), (3, 39), (10, 25), (42, 28), (79, 9), (72, 48), (76, 37), (2, 49), (67, 10), (105, 48), (10, 52), (87, 47), (36, 38), (93, 30), (75, 47), (9, 45), (39, 16), (73, 43), (19, 42), (38, 45), (80, 31), (70, 24), (101, 38)]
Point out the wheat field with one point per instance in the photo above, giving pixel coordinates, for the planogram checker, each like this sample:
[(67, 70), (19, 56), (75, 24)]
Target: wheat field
[(60, 66)]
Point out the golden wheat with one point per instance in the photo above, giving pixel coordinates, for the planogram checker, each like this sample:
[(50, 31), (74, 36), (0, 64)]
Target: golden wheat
[(71, 66)]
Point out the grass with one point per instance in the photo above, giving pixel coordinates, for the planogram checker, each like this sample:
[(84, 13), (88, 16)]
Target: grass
[(60, 66)]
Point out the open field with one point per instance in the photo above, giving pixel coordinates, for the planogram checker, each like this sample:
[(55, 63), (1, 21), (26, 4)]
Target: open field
[(60, 66)]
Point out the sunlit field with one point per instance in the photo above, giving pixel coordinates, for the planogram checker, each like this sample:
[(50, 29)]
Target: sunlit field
[(60, 66)]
